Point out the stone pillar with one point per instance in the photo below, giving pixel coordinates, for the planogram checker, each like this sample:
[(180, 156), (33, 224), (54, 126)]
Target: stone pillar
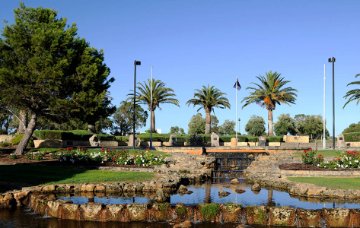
[(172, 140), (214, 139), (130, 142), (233, 142)]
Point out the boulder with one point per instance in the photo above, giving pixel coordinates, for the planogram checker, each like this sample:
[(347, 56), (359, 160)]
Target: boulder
[(256, 187), (239, 190), (223, 194), (234, 181), (182, 189), (185, 224)]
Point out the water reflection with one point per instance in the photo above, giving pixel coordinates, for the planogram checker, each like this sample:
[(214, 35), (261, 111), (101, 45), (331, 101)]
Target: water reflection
[(209, 193)]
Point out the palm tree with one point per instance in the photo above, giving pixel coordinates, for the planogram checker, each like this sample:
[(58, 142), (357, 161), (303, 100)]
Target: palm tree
[(269, 93), (209, 98), (354, 94), (160, 95)]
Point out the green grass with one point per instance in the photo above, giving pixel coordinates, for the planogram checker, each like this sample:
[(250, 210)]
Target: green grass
[(330, 182), (29, 174), (325, 153)]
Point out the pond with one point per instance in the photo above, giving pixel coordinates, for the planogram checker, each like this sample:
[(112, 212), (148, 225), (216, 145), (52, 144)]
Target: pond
[(209, 193)]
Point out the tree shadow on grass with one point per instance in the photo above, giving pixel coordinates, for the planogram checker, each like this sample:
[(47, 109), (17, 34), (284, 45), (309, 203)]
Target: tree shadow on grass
[(30, 174)]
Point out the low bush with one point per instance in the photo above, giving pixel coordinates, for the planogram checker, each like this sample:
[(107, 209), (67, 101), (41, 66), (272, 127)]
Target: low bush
[(310, 157), (252, 139), (198, 140), (209, 211), (155, 137), (16, 139), (274, 139), (80, 135), (122, 138)]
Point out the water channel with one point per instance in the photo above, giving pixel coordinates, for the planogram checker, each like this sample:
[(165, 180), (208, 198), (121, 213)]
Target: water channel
[(227, 167)]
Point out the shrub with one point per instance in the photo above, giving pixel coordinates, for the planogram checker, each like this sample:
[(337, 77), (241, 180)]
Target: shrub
[(252, 139), (352, 137), (122, 138), (209, 211), (181, 210), (274, 139), (13, 156), (5, 144), (196, 140), (16, 139), (225, 138), (155, 137)]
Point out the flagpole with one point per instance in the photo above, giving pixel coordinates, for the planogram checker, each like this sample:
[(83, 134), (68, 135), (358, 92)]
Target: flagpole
[(151, 103), (324, 110), (236, 110)]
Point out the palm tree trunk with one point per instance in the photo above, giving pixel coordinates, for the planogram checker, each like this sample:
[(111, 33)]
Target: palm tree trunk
[(28, 133), (207, 122), (270, 122), (152, 117)]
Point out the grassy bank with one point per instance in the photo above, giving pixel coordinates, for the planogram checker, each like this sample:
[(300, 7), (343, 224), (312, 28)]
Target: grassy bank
[(30, 174), (330, 182)]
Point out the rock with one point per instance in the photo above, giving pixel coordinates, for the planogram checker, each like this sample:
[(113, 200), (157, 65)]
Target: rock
[(185, 224), (239, 190), (280, 216), (21, 197), (255, 187), (182, 189), (223, 194), (234, 181), (48, 188), (137, 212), (160, 196), (100, 188), (91, 211)]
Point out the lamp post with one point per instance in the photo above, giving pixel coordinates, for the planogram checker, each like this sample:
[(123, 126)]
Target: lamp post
[(136, 63), (332, 60), (239, 125)]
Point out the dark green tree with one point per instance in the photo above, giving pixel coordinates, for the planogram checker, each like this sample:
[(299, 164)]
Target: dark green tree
[(269, 93), (255, 126), (311, 125), (353, 94), (209, 98), (123, 118), (285, 125), (354, 127), (227, 128), (177, 130), (153, 93), (49, 72), (196, 125)]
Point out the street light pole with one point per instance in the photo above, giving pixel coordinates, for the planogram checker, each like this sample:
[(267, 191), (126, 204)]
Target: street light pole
[(136, 63), (332, 60)]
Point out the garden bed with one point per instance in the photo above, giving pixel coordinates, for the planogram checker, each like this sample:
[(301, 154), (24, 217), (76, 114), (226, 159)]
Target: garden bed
[(302, 166)]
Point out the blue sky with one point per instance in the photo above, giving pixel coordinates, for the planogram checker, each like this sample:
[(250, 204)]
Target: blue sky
[(205, 42)]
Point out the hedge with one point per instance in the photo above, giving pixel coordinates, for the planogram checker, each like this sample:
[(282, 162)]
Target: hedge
[(274, 139), (122, 138), (352, 137), (155, 137), (81, 135)]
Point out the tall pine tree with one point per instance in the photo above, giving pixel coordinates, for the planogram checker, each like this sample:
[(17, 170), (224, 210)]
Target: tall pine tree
[(48, 71)]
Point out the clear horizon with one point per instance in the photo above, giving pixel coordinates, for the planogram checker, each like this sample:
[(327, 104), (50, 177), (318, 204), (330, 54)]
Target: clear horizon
[(196, 43)]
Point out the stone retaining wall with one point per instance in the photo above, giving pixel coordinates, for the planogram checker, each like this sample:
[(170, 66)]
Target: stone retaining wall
[(221, 213)]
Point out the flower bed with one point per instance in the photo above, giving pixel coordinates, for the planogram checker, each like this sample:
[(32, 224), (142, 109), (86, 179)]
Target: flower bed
[(347, 160), (105, 156)]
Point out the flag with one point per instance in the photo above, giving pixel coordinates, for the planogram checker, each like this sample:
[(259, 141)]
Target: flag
[(237, 84)]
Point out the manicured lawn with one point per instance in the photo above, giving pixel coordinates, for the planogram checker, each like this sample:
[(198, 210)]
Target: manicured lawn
[(325, 153), (30, 174), (330, 182)]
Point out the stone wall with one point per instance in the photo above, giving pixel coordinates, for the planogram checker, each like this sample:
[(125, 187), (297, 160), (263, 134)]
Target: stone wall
[(228, 213), (296, 139)]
